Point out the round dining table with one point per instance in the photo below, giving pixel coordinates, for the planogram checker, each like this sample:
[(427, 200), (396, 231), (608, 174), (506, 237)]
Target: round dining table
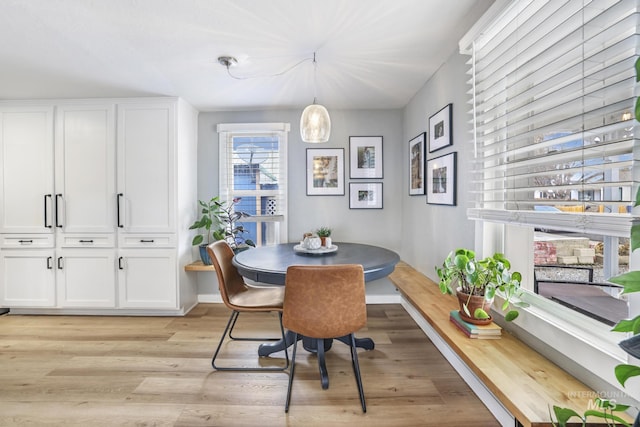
[(268, 264)]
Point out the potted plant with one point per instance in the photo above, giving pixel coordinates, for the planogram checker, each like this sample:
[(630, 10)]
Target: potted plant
[(477, 281), (219, 222), (230, 229), (323, 233), (209, 220)]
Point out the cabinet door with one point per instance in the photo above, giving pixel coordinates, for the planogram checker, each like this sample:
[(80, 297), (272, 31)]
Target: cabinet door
[(147, 278), (26, 178), (27, 278), (86, 278), (85, 169), (146, 169)]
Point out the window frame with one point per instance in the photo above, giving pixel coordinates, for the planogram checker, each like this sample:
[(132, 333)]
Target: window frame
[(583, 346), (226, 133)]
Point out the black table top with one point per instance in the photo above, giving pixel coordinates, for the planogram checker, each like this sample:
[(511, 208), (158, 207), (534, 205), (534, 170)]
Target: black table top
[(268, 264)]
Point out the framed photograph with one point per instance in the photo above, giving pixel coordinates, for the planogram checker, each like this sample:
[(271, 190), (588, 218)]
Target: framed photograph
[(416, 165), (325, 171), (365, 154), (440, 133), (365, 195), (441, 180)]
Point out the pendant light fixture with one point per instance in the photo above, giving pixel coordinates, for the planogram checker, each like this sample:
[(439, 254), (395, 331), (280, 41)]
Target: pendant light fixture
[(315, 123)]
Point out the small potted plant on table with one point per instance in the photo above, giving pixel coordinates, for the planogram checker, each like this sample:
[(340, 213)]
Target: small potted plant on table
[(324, 233), (476, 282)]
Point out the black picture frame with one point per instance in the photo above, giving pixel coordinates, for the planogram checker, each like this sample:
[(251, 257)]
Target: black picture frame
[(441, 180), (365, 195), (325, 171), (440, 129), (417, 165), (365, 157)]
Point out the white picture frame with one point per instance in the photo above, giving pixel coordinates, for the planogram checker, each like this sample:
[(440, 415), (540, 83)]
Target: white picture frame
[(325, 171), (441, 180), (365, 195), (365, 157)]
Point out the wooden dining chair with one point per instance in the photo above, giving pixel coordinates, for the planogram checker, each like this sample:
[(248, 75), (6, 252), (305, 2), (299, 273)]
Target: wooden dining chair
[(241, 297), (323, 302)]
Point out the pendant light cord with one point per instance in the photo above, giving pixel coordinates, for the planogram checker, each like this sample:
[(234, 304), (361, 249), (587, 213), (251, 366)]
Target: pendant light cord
[(228, 67)]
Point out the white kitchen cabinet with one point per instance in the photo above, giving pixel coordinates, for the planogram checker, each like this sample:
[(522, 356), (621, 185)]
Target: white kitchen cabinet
[(28, 278), (26, 178), (100, 192), (147, 278), (86, 278), (146, 167), (85, 195)]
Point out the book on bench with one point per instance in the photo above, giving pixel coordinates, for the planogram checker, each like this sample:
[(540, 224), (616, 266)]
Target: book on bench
[(490, 331)]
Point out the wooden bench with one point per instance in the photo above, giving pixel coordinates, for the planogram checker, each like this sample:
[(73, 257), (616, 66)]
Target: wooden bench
[(518, 378), (199, 266)]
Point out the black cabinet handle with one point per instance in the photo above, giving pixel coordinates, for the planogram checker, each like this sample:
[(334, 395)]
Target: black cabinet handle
[(120, 195), (25, 241), (120, 267), (59, 263), (146, 240), (49, 264), (85, 241), (46, 213), (58, 200)]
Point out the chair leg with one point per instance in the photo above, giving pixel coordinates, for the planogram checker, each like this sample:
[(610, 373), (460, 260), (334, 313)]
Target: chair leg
[(322, 364), (356, 371), (227, 330), (247, 338), (291, 373)]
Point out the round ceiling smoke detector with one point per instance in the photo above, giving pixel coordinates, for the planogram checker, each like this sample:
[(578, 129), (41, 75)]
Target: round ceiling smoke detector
[(227, 61)]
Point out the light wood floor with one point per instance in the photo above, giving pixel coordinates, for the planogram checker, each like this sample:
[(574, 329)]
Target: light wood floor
[(143, 371)]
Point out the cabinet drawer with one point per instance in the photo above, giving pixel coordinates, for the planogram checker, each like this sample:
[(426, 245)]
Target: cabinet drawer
[(27, 241), (147, 241), (87, 241)]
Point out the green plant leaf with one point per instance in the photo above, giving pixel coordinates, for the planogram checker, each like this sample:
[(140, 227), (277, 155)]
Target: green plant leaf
[(606, 416), (635, 235), (461, 261), (564, 414), (197, 240), (480, 314), (637, 201), (511, 315), (630, 281), (638, 109), (637, 66), (624, 372), (625, 325)]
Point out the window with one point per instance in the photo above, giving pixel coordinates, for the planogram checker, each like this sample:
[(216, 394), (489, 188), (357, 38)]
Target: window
[(253, 168), (552, 100)]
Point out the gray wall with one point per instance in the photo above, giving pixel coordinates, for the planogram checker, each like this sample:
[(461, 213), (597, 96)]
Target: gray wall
[(430, 232), (381, 227)]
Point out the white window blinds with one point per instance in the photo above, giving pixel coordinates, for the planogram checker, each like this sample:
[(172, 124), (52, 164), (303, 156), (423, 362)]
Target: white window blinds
[(553, 94), (253, 172)]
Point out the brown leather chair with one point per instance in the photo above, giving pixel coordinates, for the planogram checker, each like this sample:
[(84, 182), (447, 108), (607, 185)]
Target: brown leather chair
[(322, 302), (243, 298)]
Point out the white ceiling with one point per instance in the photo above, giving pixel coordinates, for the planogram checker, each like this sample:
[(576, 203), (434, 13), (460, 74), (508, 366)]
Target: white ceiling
[(370, 53)]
